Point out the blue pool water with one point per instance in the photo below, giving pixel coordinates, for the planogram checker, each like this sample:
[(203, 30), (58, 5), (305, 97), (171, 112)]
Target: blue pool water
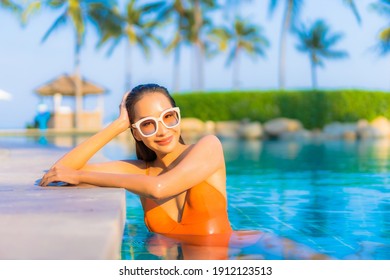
[(332, 197)]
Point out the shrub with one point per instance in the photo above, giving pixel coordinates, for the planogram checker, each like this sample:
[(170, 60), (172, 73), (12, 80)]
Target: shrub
[(313, 108)]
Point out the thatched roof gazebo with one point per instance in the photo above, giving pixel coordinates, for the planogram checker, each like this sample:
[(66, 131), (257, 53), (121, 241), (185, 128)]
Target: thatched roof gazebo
[(65, 85)]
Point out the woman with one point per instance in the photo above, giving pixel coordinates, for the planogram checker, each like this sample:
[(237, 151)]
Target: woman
[(181, 191), (182, 187)]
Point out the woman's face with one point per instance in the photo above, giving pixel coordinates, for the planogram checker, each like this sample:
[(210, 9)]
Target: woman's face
[(165, 139)]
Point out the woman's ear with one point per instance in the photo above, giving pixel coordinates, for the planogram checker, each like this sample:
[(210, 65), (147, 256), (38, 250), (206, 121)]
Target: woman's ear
[(135, 134)]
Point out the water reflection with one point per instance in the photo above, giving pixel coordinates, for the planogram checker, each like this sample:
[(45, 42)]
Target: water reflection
[(237, 245), (332, 196)]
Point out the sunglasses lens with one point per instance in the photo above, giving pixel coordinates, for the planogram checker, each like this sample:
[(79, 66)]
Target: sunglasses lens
[(148, 127), (171, 118)]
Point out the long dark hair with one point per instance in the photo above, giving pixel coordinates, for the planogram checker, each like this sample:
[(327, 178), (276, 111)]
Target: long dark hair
[(142, 151)]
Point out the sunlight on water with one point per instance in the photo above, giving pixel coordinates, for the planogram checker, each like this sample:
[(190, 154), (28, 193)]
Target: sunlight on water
[(333, 197)]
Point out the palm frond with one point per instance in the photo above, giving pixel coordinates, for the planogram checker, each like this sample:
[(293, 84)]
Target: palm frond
[(272, 6), (58, 23), (31, 9), (382, 8), (351, 4), (318, 41), (232, 55), (174, 43), (384, 41), (12, 6)]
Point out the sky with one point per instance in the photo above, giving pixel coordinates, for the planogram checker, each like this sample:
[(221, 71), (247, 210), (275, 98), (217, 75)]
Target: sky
[(27, 63)]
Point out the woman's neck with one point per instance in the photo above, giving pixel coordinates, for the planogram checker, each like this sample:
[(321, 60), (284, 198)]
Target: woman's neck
[(165, 160)]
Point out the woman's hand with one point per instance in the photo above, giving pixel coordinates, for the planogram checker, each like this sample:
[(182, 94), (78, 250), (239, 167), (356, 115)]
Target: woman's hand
[(123, 114), (60, 173)]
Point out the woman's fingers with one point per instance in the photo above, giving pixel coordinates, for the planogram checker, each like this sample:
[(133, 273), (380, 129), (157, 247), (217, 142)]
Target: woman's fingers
[(48, 178), (123, 114), (124, 98), (59, 174)]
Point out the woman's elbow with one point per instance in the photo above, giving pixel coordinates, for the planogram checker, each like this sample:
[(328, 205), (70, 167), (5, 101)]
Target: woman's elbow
[(155, 191)]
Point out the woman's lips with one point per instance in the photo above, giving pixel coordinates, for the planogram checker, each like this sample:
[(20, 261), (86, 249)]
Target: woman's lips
[(165, 141)]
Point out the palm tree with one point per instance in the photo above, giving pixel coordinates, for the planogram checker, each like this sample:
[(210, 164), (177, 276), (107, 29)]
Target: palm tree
[(77, 14), (382, 7), (136, 27), (199, 26), (290, 16), (176, 11), (10, 5), (243, 37), (318, 42), (351, 4)]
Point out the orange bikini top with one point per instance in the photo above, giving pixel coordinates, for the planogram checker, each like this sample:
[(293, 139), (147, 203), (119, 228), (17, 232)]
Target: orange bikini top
[(204, 213)]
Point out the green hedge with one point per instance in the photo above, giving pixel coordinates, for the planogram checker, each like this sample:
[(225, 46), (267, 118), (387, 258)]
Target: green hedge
[(313, 108)]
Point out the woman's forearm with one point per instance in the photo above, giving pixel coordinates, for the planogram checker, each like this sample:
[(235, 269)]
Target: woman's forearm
[(142, 185), (80, 155)]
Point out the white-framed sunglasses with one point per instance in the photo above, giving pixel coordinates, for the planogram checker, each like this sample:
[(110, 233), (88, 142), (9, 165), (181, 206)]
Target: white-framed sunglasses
[(148, 126)]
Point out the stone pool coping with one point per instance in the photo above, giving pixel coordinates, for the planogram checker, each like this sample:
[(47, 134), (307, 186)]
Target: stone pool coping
[(58, 223)]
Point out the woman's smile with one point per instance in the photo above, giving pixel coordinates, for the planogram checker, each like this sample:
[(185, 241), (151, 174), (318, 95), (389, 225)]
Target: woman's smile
[(165, 141)]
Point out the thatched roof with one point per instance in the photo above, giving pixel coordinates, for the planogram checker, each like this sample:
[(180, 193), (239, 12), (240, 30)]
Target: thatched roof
[(65, 84)]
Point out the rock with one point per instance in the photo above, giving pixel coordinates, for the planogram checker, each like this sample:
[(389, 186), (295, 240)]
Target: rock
[(227, 129), (276, 127), (192, 125), (251, 130), (338, 130), (299, 135), (209, 127), (378, 128)]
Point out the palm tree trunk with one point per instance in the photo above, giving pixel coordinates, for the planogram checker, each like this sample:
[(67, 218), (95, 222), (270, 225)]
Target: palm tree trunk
[(313, 72), (200, 66), (128, 74), (236, 70), (198, 44), (193, 68), (283, 41), (78, 85), (176, 70)]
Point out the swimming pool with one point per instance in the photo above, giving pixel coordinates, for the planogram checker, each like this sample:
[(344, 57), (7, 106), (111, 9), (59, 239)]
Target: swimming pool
[(333, 197)]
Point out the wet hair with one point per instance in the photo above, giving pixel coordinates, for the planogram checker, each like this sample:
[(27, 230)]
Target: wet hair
[(136, 94)]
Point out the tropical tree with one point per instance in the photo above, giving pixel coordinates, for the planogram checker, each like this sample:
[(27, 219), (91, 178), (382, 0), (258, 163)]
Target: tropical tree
[(290, 17), (179, 14), (135, 26), (199, 27), (352, 6), (382, 7), (76, 14), (10, 5), (243, 37), (318, 41)]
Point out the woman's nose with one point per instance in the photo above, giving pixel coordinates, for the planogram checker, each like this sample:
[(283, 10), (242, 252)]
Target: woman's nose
[(161, 129)]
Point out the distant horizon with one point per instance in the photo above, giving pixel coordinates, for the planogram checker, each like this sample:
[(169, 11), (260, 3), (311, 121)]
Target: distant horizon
[(27, 63)]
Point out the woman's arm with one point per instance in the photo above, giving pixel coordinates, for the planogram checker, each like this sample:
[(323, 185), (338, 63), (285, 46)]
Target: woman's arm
[(79, 156), (202, 161)]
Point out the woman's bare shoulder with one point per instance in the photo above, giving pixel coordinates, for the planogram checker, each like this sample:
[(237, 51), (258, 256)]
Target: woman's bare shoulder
[(209, 142)]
